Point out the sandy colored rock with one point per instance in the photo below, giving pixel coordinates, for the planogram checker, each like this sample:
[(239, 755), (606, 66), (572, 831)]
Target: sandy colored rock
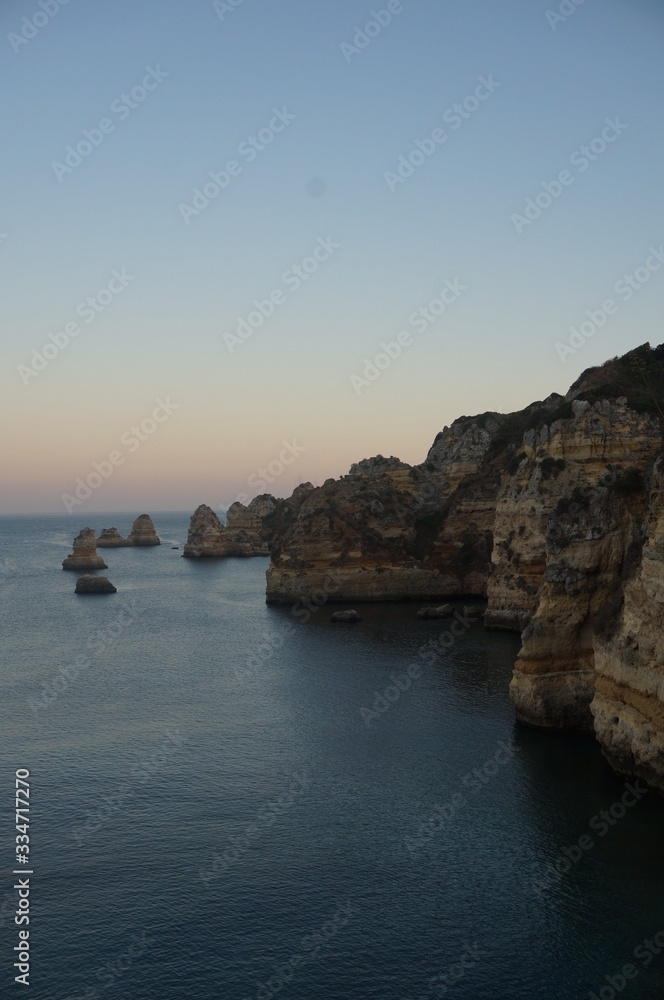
[(85, 554), (110, 538), (143, 532), (206, 538)]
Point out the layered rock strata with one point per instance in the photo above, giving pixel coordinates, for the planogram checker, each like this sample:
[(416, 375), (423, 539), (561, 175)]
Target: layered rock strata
[(143, 532), (628, 702), (85, 555), (110, 538), (206, 538)]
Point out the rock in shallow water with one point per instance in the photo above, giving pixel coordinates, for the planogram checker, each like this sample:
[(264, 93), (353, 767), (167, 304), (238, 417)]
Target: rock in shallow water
[(444, 611), (90, 584), (345, 616)]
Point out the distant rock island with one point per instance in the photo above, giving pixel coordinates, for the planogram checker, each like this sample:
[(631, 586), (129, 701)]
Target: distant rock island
[(554, 514), (85, 555), (142, 533)]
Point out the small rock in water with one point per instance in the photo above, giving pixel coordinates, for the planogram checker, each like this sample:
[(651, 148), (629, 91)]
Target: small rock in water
[(345, 616), (90, 584), (444, 611)]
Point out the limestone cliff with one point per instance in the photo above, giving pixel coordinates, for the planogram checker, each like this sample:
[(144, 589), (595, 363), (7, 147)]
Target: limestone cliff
[(389, 531), (249, 528), (85, 555), (628, 702), (555, 513)]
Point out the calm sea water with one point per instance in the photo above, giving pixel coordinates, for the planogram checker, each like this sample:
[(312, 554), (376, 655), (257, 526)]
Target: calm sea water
[(202, 829)]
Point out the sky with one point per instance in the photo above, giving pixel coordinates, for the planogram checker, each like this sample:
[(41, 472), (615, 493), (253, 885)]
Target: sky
[(416, 203)]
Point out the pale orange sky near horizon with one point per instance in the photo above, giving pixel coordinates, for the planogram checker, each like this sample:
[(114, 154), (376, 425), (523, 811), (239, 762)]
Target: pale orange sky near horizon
[(353, 176), (208, 448)]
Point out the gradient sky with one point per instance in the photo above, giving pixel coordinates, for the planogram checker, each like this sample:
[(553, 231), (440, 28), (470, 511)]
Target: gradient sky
[(322, 177)]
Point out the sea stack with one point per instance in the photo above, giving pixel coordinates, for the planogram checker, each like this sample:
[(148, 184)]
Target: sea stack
[(85, 554), (110, 538), (207, 536), (143, 532), (90, 584)]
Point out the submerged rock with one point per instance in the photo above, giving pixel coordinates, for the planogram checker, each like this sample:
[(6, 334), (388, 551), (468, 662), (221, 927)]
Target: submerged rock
[(444, 611), (85, 554), (345, 616), (90, 584), (143, 532)]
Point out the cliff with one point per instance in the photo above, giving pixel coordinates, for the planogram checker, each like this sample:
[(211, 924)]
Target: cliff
[(555, 514), (628, 703), (390, 531)]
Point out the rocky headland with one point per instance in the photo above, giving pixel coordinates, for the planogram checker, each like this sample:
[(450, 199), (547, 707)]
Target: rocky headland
[(249, 531), (554, 514)]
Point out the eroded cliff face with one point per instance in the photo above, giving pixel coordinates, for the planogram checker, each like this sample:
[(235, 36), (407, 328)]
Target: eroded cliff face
[(580, 546), (554, 461), (389, 531), (248, 528), (556, 514), (628, 702)]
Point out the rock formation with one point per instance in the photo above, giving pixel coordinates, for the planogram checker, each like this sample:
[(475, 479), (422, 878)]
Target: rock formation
[(555, 514), (85, 554), (444, 611), (90, 584), (250, 530), (143, 532), (206, 538), (389, 531), (110, 538), (347, 617), (628, 701)]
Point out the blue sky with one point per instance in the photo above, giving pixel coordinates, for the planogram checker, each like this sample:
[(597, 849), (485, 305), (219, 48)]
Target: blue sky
[(322, 178)]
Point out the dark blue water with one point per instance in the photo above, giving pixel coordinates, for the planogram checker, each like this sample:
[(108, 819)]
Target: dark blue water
[(212, 817)]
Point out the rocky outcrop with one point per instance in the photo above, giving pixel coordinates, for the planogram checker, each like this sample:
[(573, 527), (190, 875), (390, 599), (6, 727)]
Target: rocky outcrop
[(248, 527), (389, 531), (628, 701), (207, 536), (556, 460), (555, 513), (110, 538), (85, 554), (143, 532), (90, 584)]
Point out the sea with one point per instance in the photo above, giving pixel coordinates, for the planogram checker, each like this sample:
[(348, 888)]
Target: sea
[(234, 800)]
